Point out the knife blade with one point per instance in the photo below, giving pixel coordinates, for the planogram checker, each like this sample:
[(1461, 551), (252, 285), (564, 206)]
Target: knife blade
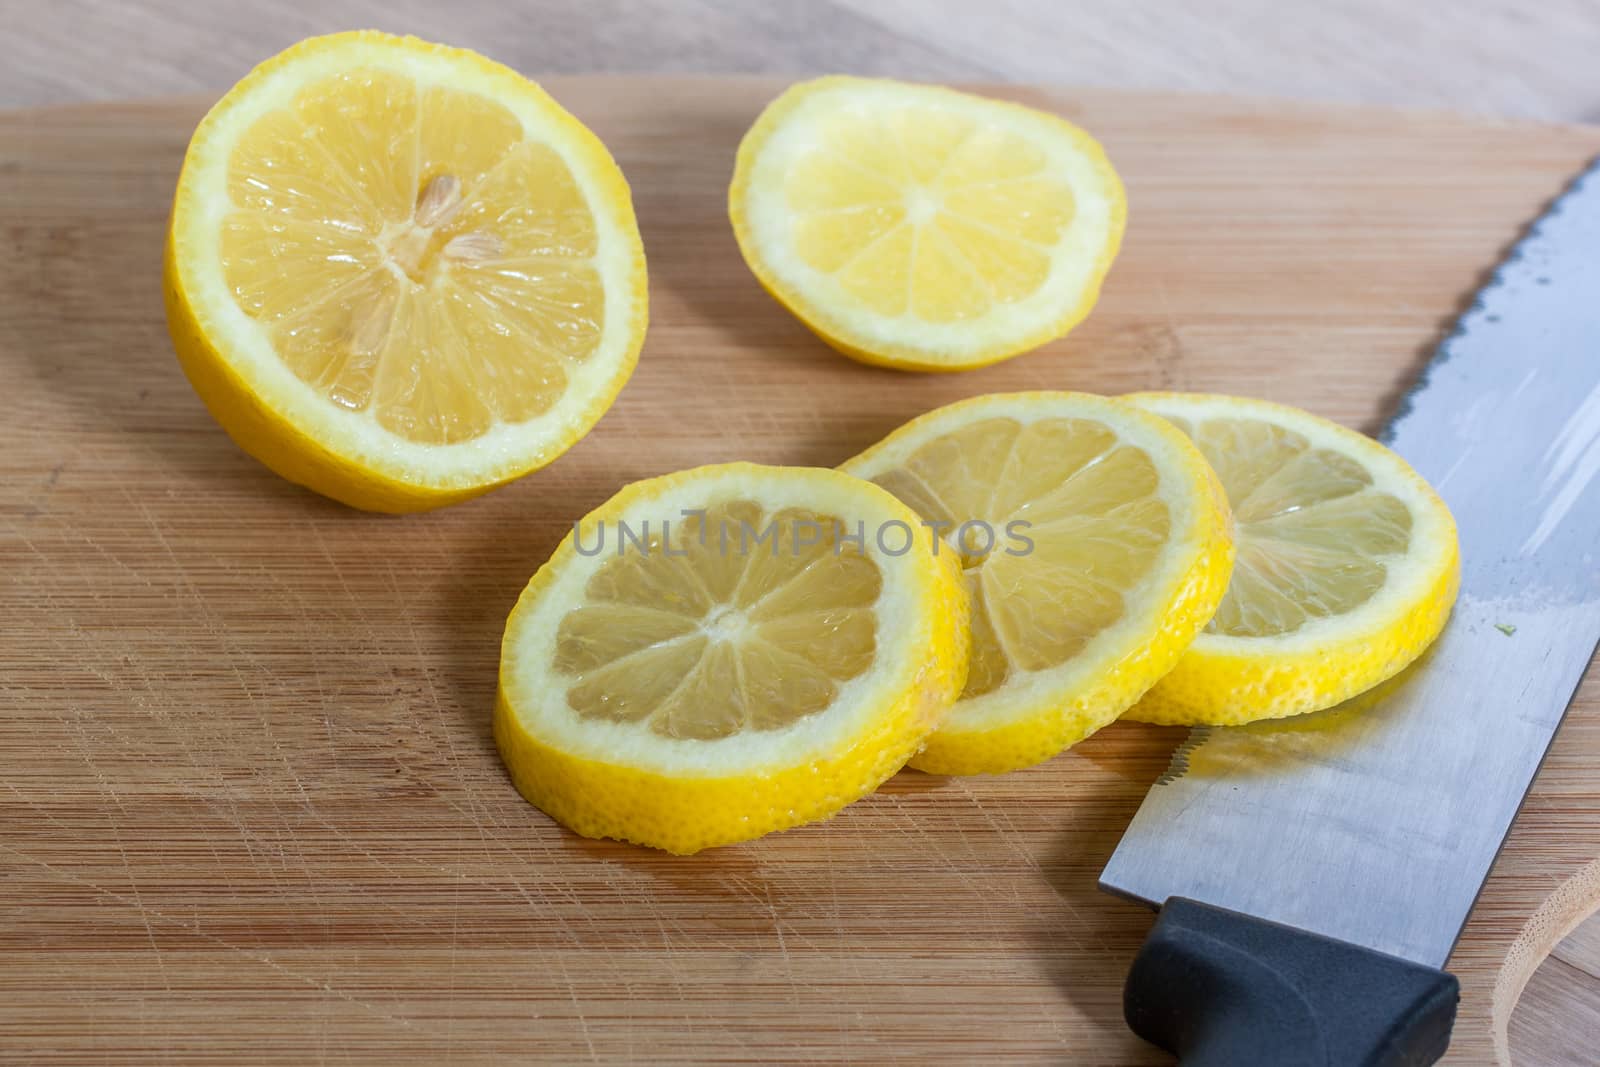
[(1372, 826)]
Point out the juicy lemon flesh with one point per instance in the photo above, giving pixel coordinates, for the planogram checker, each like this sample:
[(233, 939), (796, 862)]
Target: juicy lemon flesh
[(924, 212), (1313, 535), (737, 620), (411, 256), (1088, 503)]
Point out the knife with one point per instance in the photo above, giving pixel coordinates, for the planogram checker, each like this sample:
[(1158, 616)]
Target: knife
[(1313, 874)]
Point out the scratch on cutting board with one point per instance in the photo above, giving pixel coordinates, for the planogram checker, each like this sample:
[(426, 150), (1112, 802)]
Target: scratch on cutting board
[(181, 733), (193, 928), (847, 1024), (84, 751), (763, 898), (535, 905), (760, 893), (228, 808), (783, 947), (566, 928), (127, 866), (1008, 835), (327, 553), (979, 887), (455, 941), (475, 813)]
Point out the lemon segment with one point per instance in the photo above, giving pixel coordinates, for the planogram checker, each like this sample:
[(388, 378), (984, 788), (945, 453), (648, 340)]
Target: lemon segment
[(1347, 566), (731, 650), (919, 227), (1110, 551), (401, 274)]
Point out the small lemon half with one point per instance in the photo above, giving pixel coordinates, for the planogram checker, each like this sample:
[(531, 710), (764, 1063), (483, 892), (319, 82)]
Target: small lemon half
[(919, 227)]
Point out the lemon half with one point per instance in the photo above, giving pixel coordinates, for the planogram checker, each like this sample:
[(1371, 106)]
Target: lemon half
[(923, 228), (399, 273)]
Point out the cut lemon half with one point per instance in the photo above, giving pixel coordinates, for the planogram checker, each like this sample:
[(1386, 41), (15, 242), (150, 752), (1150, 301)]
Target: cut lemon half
[(731, 650), (1094, 543), (400, 274), (919, 227), (1346, 571)]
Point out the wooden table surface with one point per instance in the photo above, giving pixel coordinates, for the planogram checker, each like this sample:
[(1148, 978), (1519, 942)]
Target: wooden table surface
[(1493, 57), (1518, 58)]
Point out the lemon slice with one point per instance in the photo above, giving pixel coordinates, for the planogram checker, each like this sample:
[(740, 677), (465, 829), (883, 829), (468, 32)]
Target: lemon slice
[(401, 274), (1346, 571), (919, 227), (1094, 543), (731, 650)]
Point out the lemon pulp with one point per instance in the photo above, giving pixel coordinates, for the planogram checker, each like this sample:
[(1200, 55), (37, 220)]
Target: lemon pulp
[(920, 210), (1078, 525), (400, 274), (696, 639), (411, 256), (1313, 534), (918, 227)]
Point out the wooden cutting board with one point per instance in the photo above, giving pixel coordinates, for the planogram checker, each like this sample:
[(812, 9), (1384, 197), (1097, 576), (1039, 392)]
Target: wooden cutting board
[(249, 803)]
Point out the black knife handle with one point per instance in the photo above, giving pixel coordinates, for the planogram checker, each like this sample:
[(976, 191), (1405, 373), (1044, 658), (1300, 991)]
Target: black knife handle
[(1223, 989)]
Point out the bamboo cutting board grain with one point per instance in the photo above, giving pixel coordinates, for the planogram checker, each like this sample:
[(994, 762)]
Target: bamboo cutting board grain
[(249, 804)]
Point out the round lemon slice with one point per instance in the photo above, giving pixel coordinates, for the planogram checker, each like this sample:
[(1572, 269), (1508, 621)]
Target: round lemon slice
[(1094, 544), (731, 650), (919, 227), (400, 274), (1346, 571)]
